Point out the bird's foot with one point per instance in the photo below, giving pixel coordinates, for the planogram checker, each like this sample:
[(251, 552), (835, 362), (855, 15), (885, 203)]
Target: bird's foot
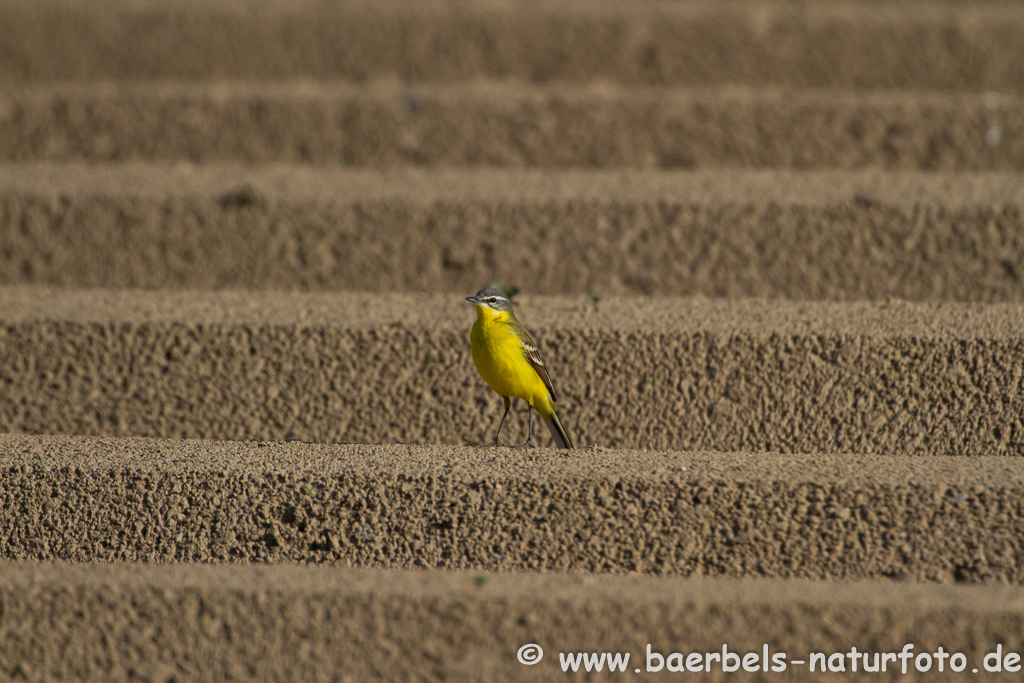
[(528, 444), (494, 444)]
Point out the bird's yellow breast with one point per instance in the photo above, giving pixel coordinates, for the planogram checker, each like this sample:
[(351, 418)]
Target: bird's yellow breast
[(498, 354)]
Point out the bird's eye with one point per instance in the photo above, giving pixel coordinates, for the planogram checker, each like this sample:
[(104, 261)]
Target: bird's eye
[(494, 299)]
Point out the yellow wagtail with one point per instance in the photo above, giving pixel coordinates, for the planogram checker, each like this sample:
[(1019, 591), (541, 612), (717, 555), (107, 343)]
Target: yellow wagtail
[(508, 359)]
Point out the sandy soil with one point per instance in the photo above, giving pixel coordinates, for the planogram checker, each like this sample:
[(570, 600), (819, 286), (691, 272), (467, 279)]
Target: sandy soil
[(512, 124), (771, 251), (837, 235), (291, 623), (914, 45), (679, 374), (603, 511)]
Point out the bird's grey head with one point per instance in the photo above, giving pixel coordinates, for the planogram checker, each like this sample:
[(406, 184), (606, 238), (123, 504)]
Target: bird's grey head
[(492, 298)]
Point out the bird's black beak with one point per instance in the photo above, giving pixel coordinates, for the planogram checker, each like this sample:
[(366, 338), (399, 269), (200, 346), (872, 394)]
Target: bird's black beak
[(472, 300)]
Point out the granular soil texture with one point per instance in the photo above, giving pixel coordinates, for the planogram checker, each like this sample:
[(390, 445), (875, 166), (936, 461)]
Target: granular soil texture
[(836, 235), (822, 516), (203, 623), (667, 374), (512, 124)]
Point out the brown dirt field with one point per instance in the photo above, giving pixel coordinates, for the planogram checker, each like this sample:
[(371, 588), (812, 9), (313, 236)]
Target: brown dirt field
[(662, 374), (605, 511), (513, 125), (291, 623), (922, 45), (770, 249), (739, 233)]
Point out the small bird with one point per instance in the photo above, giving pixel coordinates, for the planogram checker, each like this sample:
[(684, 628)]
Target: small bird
[(508, 360)]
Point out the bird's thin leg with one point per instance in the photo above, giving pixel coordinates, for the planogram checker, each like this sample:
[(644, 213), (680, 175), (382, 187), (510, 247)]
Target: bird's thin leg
[(529, 438), (508, 405)]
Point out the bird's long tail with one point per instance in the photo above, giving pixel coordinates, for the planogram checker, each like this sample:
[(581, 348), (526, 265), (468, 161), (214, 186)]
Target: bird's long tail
[(558, 432)]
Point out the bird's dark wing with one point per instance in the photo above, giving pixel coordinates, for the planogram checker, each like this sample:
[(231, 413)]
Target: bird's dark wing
[(532, 355)]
